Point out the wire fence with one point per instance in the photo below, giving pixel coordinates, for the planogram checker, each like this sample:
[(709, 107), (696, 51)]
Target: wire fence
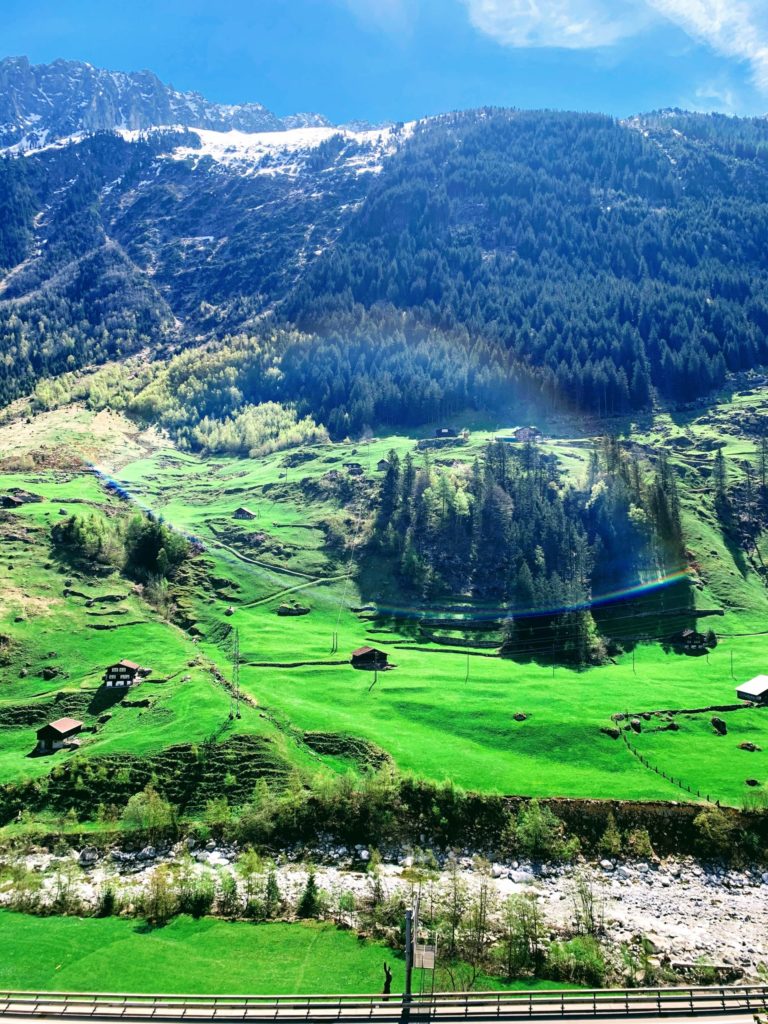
[(675, 781)]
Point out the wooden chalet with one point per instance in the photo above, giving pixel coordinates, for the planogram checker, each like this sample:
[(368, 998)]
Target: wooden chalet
[(10, 501), (525, 434), (353, 468), (756, 690), (369, 657), (124, 674), (243, 513), (382, 465), (57, 734), (446, 432)]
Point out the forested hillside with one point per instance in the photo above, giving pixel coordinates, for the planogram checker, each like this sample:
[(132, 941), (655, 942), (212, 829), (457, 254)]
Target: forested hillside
[(460, 262), (580, 246)]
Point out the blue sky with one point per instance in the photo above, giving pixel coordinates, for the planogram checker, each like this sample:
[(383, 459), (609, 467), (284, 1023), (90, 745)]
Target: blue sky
[(401, 59)]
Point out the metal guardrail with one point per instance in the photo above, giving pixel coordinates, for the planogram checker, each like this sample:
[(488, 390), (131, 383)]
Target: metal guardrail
[(540, 1004)]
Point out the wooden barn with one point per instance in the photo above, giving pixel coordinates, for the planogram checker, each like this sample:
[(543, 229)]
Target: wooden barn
[(525, 434), (369, 657), (382, 465), (124, 674), (353, 468), (57, 734), (755, 690), (243, 513), (10, 501)]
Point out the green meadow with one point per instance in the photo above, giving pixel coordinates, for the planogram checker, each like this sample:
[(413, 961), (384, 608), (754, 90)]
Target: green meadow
[(199, 957), (194, 957), (444, 711)]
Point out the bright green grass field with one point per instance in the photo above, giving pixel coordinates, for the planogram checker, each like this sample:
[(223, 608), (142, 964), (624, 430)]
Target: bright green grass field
[(198, 957), (425, 713), (441, 714), (187, 956)]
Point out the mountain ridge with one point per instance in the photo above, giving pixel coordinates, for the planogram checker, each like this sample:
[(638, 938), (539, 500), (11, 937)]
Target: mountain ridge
[(40, 103)]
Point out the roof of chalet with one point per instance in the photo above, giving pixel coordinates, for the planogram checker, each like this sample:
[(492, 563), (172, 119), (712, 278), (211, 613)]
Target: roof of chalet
[(366, 650), (64, 725), (756, 687), (126, 664)]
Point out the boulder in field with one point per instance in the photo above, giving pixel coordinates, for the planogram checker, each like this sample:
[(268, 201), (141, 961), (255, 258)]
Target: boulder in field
[(719, 726), (751, 747), (292, 609)]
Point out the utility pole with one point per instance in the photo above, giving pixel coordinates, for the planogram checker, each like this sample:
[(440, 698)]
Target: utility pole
[(236, 673), (408, 962)]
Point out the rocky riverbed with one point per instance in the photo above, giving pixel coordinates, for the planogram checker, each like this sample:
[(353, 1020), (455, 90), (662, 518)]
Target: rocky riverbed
[(689, 912)]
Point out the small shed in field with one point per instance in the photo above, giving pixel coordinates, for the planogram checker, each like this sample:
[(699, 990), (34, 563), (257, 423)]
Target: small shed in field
[(369, 657), (243, 513), (353, 468), (124, 674), (382, 465), (57, 734), (10, 501), (755, 690)]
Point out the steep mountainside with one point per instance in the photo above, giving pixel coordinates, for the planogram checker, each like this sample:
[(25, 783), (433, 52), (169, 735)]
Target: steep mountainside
[(40, 103), (597, 264)]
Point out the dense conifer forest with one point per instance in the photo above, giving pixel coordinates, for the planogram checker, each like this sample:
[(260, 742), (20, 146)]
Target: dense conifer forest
[(596, 264)]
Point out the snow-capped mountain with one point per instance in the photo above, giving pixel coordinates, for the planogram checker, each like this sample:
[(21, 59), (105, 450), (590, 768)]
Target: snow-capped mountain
[(42, 103)]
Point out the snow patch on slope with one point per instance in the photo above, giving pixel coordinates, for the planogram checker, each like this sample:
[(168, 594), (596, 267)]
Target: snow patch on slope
[(285, 152)]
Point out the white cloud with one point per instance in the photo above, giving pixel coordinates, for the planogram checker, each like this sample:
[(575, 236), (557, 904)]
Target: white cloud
[(716, 94), (734, 28), (390, 15), (574, 24)]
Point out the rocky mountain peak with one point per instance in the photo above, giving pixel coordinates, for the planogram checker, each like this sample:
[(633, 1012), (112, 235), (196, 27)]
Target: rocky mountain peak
[(40, 103)]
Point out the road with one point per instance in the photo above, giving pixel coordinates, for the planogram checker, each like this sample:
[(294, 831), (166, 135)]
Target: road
[(737, 1004)]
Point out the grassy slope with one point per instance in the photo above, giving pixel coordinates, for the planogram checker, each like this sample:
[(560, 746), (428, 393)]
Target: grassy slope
[(203, 957), (194, 957), (431, 719)]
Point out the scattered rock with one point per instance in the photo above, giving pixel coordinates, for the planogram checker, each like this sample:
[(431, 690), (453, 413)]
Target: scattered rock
[(611, 731), (89, 855), (293, 609), (719, 726), (636, 725), (751, 782), (519, 716), (753, 747)]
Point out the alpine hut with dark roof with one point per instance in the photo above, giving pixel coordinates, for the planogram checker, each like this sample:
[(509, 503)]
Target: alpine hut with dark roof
[(369, 657)]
